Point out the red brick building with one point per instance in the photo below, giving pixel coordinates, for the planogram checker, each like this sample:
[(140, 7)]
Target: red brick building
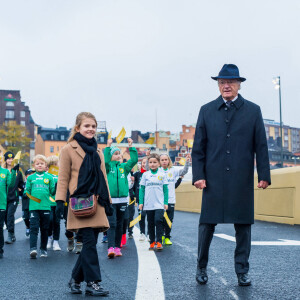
[(13, 109)]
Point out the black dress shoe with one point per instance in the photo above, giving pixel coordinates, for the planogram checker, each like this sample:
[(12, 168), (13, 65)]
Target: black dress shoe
[(244, 279), (74, 287), (93, 288), (201, 276)]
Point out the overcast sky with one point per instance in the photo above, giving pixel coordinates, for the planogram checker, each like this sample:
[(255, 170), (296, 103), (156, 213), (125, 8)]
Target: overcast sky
[(122, 59)]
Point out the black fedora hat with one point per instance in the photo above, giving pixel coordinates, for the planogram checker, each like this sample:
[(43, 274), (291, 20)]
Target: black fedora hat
[(229, 71)]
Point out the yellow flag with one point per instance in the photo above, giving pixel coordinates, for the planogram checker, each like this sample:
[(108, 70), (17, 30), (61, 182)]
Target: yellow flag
[(167, 219), (182, 161), (109, 135), (51, 199), (18, 156), (133, 222), (121, 135), (190, 143), (150, 141), (53, 170)]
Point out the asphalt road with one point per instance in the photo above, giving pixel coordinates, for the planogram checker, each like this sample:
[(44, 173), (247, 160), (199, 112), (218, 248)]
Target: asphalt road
[(275, 270)]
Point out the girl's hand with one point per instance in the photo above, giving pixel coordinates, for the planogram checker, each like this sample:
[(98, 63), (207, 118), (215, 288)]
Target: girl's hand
[(141, 207), (132, 178), (166, 207), (188, 157), (148, 152), (109, 142), (130, 141)]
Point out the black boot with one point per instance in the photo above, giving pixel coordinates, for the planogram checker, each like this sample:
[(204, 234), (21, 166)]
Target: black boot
[(201, 276), (93, 288), (74, 287), (9, 239)]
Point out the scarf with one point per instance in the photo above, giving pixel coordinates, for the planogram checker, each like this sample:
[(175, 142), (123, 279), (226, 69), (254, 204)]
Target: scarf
[(91, 180), (143, 170)]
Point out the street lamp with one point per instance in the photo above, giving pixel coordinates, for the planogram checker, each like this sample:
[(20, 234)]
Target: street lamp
[(276, 81)]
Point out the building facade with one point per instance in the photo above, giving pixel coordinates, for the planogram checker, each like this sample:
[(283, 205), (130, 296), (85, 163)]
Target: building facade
[(13, 109)]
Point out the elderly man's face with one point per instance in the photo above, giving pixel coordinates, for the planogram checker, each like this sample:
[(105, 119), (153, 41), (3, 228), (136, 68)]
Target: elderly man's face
[(229, 88)]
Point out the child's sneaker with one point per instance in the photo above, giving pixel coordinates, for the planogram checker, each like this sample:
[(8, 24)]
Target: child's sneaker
[(168, 241), (130, 235), (105, 239), (142, 237), (118, 252), (152, 246), (111, 252), (49, 244), (70, 247), (33, 254), (78, 247), (124, 240), (44, 253), (56, 246), (159, 246), (27, 234)]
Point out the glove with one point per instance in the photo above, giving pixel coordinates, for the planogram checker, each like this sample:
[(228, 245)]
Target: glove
[(59, 211), (109, 210), (16, 167)]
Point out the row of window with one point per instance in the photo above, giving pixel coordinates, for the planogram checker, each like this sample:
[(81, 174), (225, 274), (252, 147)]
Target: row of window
[(52, 149), (22, 123), (10, 114)]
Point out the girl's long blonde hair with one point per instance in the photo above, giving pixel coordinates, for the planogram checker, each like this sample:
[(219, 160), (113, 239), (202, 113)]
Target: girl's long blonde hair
[(170, 165), (80, 117)]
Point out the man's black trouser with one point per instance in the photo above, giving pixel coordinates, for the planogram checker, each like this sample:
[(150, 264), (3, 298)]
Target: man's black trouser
[(54, 225), (242, 250), (70, 234), (131, 211), (39, 219), (10, 216), (170, 213), (115, 232), (87, 266), (155, 220), (2, 218), (142, 223)]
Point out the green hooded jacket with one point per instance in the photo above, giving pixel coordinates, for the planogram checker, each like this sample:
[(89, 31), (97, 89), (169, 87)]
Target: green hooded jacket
[(7, 180), (117, 173)]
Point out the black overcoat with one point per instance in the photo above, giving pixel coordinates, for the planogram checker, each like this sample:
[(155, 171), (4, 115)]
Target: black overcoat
[(227, 139)]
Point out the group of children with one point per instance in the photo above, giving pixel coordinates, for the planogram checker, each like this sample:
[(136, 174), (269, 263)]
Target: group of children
[(153, 186), (38, 205)]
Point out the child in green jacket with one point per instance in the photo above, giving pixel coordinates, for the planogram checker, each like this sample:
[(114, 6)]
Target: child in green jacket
[(6, 181), (39, 187), (117, 173)]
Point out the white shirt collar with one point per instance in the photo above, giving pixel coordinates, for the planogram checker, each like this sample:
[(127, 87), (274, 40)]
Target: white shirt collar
[(231, 100)]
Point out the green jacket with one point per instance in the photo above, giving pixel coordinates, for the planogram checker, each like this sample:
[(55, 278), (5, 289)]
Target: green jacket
[(40, 185), (55, 178), (7, 180), (117, 173)]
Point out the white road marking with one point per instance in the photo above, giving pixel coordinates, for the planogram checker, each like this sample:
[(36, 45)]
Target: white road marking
[(149, 273), (186, 248), (215, 270), (16, 222), (223, 281), (234, 295), (280, 242)]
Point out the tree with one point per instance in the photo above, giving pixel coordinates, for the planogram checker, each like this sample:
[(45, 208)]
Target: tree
[(14, 138)]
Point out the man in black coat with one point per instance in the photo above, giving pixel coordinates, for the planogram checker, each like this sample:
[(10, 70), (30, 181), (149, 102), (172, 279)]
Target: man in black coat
[(230, 133)]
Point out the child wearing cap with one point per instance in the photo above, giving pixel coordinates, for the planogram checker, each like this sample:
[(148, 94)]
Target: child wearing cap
[(25, 204), (12, 196), (6, 180), (117, 173), (39, 187)]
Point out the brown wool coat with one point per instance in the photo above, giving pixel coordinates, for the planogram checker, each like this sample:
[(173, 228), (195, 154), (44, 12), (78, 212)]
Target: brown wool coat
[(71, 158)]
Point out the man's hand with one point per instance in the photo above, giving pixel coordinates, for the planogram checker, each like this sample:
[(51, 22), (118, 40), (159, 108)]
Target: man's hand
[(130, 141), (200, 184), (263, 184), (132, 178), (188, 157), (148, 152), (109, 142), (141, 207), (166, 207)]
